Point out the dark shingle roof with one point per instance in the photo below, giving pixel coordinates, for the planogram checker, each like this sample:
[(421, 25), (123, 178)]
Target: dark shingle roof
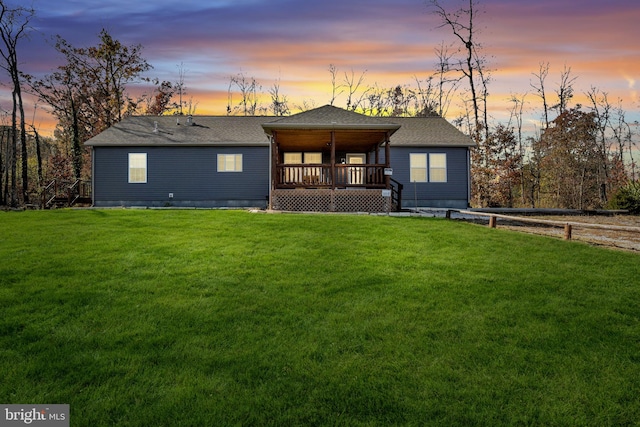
[(330, 115), (174, 130), (250, 130), (428, 131)]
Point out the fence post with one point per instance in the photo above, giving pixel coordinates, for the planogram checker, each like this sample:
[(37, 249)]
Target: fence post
[(567, 231), (492, 221)]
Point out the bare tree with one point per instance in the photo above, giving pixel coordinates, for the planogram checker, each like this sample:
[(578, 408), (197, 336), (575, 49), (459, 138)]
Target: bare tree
[(249, 89), (462, 24), (279, 103), (623, 138), (352, 88), (14, 23), (307, 104), (191, 106), (539, 87), (446, 84), (179, 86), (516, 114), (601, 109), (335, 87), (38, 148), (376, 102), (5, 158), (565, 90)]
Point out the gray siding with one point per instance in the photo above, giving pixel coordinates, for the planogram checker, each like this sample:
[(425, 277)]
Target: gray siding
[(190, 173), (451, 194)]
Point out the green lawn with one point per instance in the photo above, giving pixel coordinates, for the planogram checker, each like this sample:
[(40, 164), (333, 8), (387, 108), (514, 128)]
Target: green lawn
[(203, 318)]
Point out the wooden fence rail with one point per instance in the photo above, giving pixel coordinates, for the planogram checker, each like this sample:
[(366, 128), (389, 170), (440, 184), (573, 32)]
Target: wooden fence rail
[(568, 225)]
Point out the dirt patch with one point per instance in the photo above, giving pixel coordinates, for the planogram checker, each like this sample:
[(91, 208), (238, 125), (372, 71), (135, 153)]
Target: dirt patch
[(626, 240)]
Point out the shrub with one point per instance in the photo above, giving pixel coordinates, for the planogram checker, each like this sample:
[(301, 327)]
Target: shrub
[(627, 197)]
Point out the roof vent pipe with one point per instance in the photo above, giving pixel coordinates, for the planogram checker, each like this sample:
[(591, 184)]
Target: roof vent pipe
[(155, 127), (190, 120)]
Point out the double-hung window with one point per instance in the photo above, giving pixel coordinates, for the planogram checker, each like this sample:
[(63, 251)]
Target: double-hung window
[(229, 162), (418, 166), (430, 167), (437, 167), (137, 168)]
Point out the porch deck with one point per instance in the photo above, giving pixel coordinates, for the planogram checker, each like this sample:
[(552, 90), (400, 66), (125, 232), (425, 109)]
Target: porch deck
[(342, 188)]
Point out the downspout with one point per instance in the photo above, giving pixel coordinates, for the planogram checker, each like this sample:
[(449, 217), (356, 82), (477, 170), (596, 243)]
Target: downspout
[(272, 169), (270, 172), (93, 177), (468, 177)]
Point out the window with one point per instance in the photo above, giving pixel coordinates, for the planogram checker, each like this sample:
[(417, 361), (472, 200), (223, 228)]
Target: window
[(437, 167), (312, 175), (292, 174), (313, 158), (292, 158), (305, 175), (229, 162), (137, 168), (418, 167)]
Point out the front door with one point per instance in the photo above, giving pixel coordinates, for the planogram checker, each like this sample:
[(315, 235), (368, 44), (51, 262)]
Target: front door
[(356, 174)]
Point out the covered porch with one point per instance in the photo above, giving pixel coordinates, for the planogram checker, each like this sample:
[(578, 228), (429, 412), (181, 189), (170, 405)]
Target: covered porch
[(330, 159)]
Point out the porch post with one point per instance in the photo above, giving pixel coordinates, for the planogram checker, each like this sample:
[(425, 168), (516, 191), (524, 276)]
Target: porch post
[(274, 167), (333, 160), (332, 203), (387, 161)]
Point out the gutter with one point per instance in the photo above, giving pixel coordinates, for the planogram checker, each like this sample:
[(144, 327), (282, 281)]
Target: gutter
[(269, 127)]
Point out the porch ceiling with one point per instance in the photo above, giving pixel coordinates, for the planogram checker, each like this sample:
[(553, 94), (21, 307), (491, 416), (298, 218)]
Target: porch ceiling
[(320, 140)]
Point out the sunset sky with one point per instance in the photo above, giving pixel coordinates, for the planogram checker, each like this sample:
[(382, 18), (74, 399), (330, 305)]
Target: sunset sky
[(392, 40)]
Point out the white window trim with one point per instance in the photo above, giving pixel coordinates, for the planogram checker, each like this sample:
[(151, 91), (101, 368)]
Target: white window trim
[(237, 162), (129, 169)]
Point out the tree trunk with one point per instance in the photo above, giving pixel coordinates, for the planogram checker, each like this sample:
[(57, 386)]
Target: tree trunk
[(38, 158), (76, 149), (3, 150), (23, 143), (13, 155)]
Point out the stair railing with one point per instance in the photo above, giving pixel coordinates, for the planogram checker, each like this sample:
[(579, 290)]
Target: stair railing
[(396, 194), (49, 194)]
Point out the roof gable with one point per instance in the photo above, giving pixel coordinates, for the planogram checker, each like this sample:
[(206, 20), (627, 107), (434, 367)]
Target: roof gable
[(329, 114)]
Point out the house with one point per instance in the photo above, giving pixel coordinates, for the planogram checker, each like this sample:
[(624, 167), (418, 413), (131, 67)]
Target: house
[(326, 159)]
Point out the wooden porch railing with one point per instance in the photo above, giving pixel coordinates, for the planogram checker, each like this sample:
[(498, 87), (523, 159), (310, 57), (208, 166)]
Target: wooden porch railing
[(78, 190), (319, 176), (66, 193)]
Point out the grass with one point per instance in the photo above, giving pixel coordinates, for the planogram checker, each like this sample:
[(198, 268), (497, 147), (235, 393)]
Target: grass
[(191, 317)]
